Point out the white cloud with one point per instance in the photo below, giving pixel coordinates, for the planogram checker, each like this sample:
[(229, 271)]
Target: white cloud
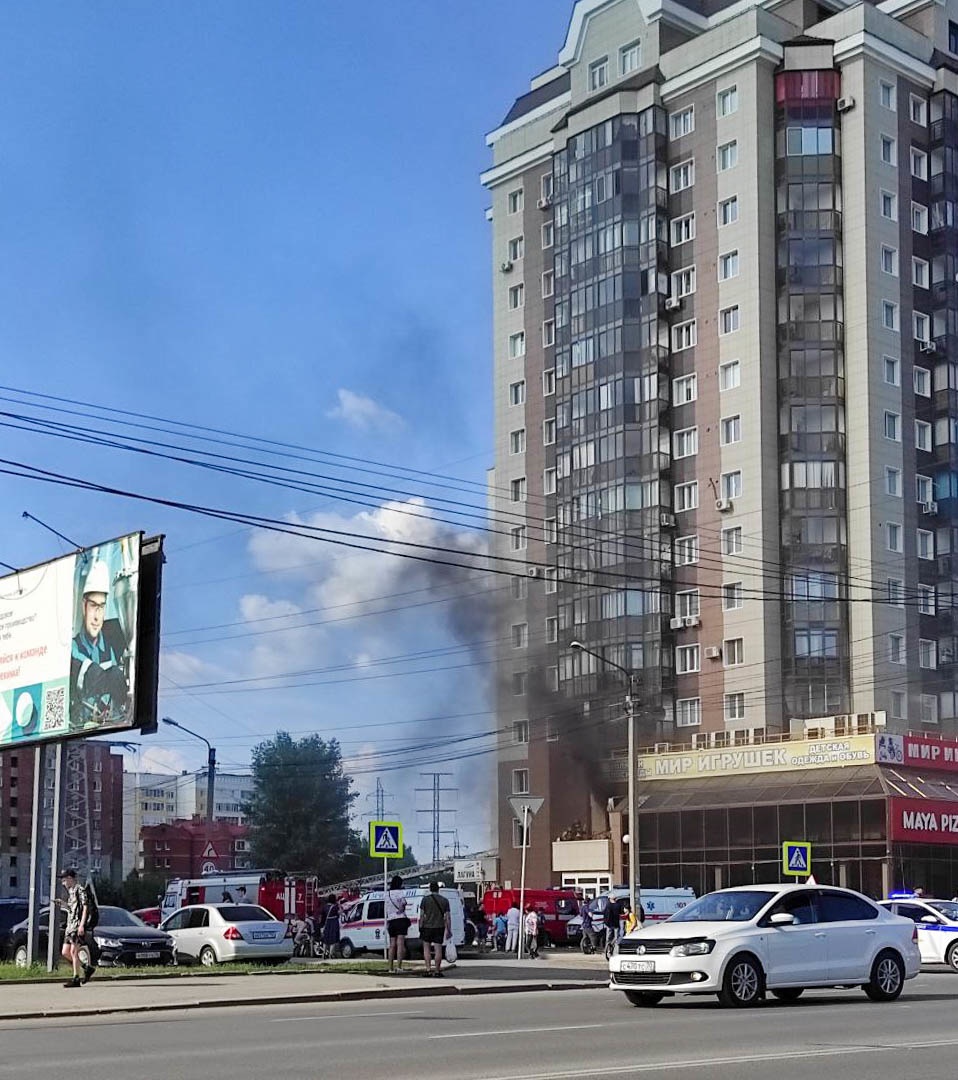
[(364, 414), (184, 668), (158, 759)]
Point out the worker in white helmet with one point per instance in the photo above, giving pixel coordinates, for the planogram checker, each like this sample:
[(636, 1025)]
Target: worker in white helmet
[(99, 689)]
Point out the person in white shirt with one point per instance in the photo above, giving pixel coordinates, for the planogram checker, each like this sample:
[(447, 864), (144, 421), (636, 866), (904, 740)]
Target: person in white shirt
[(397, 923), (531, 927), (513, 918)]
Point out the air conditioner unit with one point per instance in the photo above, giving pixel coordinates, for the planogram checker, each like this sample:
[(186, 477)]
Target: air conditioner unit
[(662, 747), (844, 104), (692, 621), (677, 623), (929, 507), (929, 347), (667, 520), (506, 266), (723, 505), (545, 202), (673, 303), (713, 652), (534, 571)]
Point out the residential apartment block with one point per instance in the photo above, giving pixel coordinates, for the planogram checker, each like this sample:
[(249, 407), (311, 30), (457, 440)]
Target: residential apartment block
[(725, 294)]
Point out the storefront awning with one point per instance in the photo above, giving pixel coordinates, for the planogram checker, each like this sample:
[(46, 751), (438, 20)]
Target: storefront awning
[(920, 784)]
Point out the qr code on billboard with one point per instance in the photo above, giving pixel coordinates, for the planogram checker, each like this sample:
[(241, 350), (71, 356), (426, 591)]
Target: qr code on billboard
[(54, 708)]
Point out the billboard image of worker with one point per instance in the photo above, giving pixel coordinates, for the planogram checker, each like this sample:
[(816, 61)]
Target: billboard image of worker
[(68, 645)]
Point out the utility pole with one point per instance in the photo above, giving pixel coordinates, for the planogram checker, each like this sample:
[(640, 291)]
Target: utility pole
[(210, 764), (380, 795), (437, 791)]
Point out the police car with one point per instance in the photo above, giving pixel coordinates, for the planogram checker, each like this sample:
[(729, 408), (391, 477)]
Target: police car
[(937, 923)]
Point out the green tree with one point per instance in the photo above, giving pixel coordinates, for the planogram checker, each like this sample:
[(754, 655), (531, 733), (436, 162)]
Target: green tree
[(299, 812), (142, 890)]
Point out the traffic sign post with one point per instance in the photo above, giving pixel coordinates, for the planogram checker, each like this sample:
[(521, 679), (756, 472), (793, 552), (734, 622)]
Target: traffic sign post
[(796, 858), (385, 841), (524, 807)]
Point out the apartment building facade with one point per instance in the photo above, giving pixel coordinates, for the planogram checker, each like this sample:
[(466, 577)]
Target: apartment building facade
[(726, 425)]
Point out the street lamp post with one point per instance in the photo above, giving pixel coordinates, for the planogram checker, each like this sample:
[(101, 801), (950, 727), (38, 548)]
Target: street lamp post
[(210, 764), (633, 813)]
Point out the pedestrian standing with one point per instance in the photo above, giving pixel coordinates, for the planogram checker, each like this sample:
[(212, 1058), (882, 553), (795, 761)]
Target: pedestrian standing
[(77, 904), (330, 930), (531, 928), (500, 929), (513, 918), (435, 926), (629, 921), (397, 923)]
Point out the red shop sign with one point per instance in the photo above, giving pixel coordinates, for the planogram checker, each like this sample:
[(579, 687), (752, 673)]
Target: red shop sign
[(927, 821), (917, 751)]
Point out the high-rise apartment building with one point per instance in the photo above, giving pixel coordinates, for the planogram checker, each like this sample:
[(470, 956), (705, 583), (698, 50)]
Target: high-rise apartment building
[(725, 284)]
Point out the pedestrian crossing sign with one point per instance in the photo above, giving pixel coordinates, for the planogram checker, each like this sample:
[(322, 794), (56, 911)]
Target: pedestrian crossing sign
[(796, 858), (385, 839)]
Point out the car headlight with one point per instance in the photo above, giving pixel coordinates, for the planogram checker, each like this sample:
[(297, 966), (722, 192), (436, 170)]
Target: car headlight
[(108, 942), (693, 948)]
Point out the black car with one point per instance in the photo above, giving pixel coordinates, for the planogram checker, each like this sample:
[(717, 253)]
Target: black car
[(124, 940), (11, 912)]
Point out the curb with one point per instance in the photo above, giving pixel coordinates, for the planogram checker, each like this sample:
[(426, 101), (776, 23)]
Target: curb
[(304, 999)]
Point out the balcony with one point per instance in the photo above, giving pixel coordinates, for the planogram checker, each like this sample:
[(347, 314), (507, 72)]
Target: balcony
[(581, 856)]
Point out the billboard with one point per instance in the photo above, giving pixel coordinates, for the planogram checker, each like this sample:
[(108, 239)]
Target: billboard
[(69, 642), (923, 821), (918, 750)]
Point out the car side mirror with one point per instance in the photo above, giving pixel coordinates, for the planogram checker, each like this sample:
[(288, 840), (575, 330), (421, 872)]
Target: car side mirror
[(782, 918), (929, 919)]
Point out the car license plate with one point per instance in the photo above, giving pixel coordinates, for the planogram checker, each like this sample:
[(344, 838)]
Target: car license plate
[(260, 934), (147, 956), (639, 967)]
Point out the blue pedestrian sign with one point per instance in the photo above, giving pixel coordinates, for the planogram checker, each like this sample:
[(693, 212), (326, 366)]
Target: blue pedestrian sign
[(385, 839), (796, 858)]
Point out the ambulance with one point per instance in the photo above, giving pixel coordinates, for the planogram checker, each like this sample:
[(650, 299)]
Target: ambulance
[(937, 924), (363, 928)]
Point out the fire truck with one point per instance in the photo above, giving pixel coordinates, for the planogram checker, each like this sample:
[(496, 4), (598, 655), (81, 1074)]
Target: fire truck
[(282, 894)]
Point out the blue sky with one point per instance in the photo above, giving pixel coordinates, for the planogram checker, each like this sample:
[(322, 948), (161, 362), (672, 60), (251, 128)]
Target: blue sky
[(264, 217)]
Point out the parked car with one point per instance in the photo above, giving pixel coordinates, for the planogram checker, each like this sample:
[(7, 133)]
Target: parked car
[(11, 913), (937, 925), (740, 942), (150, 915), (217, 933), (123, 939)]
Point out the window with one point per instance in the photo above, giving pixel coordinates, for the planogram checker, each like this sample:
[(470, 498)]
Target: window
[(921, 326), (924, 489), (897, 709), (889, 260), (516, 201), (927, 657), (551, 580), (918, 110), (549, 382), (889, 152), (928, 708), (686, 442), (893, 536), (734, 707), (733, 652), (517, 538), (731, 430), (683, 282), (952, 36), (896, 648), (919, 163), (520, 731), (922, 381), (727, 156), (520, 635), (728, 265), (520, 781), (922, 436), (599, 73), (548, 283), (887, 95), (517, 345), (927, 602), (548, 333), (686, 496), (732, 484), (728, 211), (889, 315), (550, 532), (520, 588), (687, 603), (630, 57), (549, 481), (548, 234), (683, 336), (919, 273), (919, 217), (840, 907), (682, 176), (925, 544), (688, 712), (517, 248), (552, 629), (892, 371), (517, 392), (732, 596), (889, 206), (893, 482), (684, 389), (686, 659), (548, 432), (517, 441), (732, 541), (518, 834), (546, 185), (727, 101), (686, 550), (682, 122), (729, 320), (730, 375), (683, 229), (517, 489)]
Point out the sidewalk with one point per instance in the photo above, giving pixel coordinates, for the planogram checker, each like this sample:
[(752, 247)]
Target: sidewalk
[(559, 971)]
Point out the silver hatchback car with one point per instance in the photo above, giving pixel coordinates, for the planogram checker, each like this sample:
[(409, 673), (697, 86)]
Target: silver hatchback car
[(216, 933)]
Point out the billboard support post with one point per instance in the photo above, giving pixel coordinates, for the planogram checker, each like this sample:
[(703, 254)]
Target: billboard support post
[(56, 853), (36, 856)]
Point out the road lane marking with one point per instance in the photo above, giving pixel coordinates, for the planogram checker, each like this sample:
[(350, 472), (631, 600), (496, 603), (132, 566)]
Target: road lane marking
[(340, 1016)]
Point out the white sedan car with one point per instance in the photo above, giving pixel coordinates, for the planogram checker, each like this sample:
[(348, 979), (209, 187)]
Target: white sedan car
[(738, 943), (937, 925), (214, 933)]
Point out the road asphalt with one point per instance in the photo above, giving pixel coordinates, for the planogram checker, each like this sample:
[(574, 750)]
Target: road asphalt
[(536, 1036)]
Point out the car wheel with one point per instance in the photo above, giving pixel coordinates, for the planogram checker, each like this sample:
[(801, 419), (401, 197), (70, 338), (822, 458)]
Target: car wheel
[(743, 982), (346, 949), (20, 956), (888, 977), (208, 956), (643, 998), (789, 993), (951, 957)]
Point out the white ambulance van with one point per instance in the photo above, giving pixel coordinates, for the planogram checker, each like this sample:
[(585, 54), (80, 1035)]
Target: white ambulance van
[(363, 926)]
